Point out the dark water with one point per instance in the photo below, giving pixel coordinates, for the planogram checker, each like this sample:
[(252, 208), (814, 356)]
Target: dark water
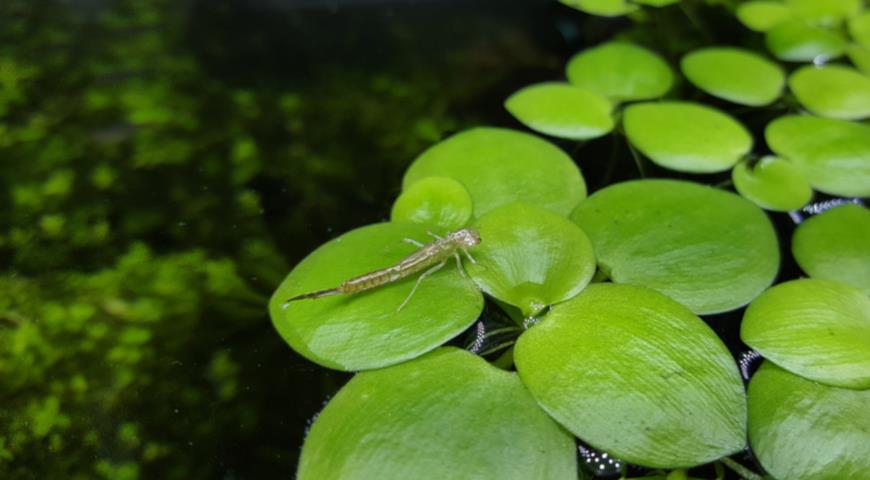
[(164, 165)]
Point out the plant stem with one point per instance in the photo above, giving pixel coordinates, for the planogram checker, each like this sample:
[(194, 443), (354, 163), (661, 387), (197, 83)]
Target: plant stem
[(744, 472)]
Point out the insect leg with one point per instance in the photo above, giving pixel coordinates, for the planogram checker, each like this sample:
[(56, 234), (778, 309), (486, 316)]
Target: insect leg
[(437, 237), (470, 259), (459, 265), (412, 242), (419, 280)]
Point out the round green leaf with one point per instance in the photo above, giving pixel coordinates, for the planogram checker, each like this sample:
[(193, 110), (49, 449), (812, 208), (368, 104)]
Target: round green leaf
[(761, 16), (366, 330), (604, 8), (531, 258), (834, 155), (656, 3), (860, 57), (825, 12), (634, 373), (835, 245), (448, 414), (434, 201), (832, 91), (773, 184), (859, 29), (687, 137), (802, 430), (500, 166), (736, 75), (620, 71), (798, 41), (708, 249), (818, 329), (562, 110)]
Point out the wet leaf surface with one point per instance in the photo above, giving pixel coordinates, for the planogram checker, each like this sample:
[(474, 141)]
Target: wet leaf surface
[(803, 430), (499, 166), (531, 258), (636, 374), (834, 155), (448, 414), (365, 330), (621, 71), (562, 110), (835, 245), (819, 329), (686, 137), (773, 184), (708, 249)]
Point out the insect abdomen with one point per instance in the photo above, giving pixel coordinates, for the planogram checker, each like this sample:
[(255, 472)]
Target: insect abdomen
[(371, 280)]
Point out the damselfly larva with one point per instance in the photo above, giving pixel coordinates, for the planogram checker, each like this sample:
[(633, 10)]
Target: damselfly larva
[(430, 257)]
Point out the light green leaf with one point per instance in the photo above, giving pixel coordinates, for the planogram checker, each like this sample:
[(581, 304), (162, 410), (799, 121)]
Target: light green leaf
[(761, 16), (834, 155), (773, 184), (562, 110), (436, 202), (859, 29), (860, 57), (832, 91), (835, 245), (797, 41), (365, 330), (531, 258), (656, 3), (708, 249), (500, 166), (620, 71), (636, 374), (448, 414), (605, 8), (736, 75), (687, 137), (825, 12), (818, 329), (802, 430)]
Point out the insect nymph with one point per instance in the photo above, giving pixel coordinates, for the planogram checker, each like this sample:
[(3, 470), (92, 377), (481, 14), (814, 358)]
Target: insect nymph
[(430, 257)]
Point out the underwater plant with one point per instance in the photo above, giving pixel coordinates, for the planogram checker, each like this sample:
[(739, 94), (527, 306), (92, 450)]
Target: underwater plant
[(591, 318)]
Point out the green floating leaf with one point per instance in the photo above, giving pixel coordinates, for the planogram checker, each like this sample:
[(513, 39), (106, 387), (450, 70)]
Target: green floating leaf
[(825, 12), (604, 8), (365, 330), (736, 75), (448, 414), (834, 155), (434, 201), (634, 373), (686, 137), (761, 16), (798, 41), (802, 430), (817, 329), (860, 57), (832, 91), (620, 71), (859, 29), (656, 3), (500, 166), (531, 258), (835, 245), (562, 110), (773, 184), (708, 249)]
